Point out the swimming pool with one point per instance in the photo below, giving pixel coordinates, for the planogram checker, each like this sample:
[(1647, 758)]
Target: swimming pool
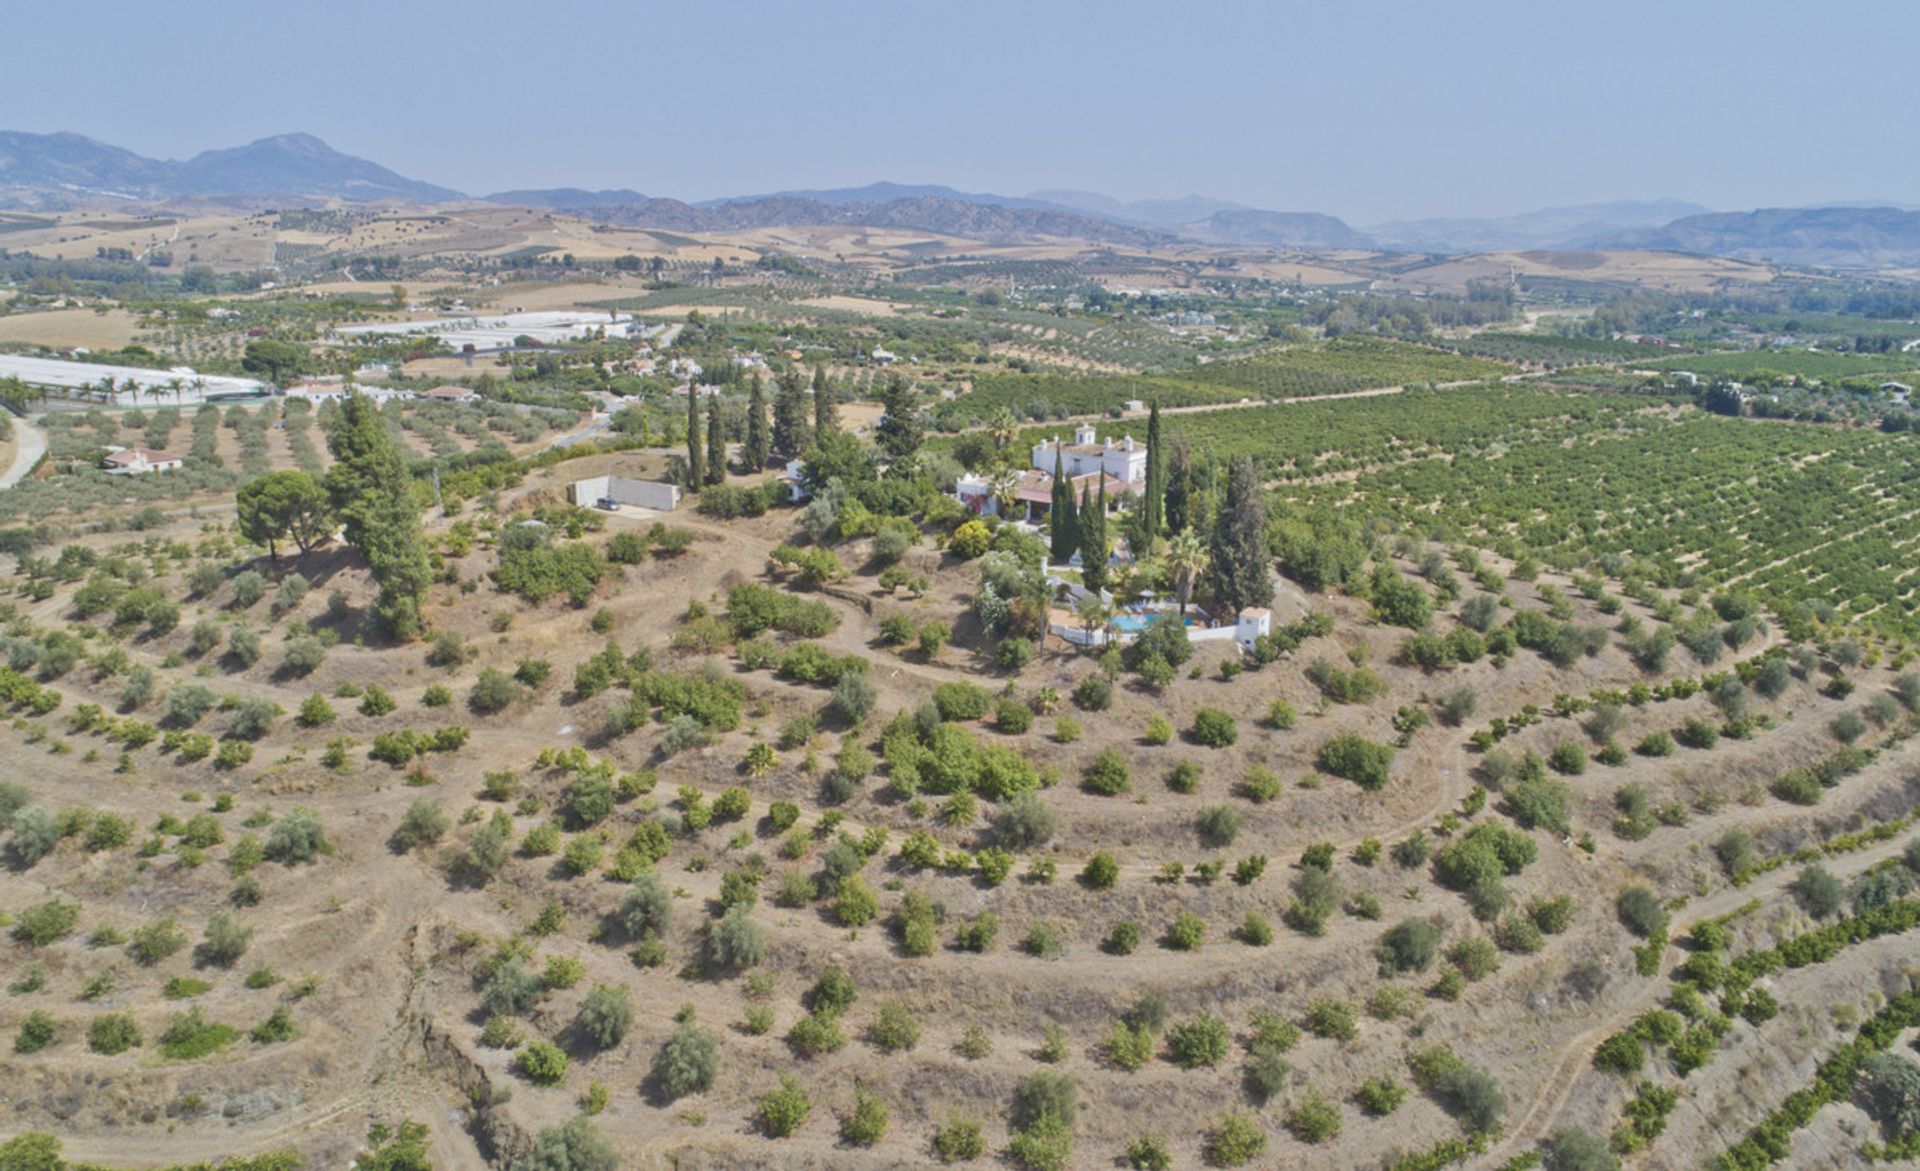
[(1139, 622)]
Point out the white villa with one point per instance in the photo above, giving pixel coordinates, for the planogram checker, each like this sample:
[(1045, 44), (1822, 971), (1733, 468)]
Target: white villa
[(1122, 459), (138, 461), (1121, 463)]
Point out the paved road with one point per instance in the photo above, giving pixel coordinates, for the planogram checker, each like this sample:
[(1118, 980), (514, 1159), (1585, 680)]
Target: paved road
[(29, 443)]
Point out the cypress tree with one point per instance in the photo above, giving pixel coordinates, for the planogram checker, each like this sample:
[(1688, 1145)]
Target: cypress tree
[(696, 466), (1155, 507), (371, 494), (899, 431), (758, 446), (790, 433), (1062, 528), (826, 404), (716, 446), (1241, 577), (1179, 486), (1093, 539)]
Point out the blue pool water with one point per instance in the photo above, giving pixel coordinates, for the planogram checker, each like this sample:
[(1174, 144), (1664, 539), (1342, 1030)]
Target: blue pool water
[(1138, 622)]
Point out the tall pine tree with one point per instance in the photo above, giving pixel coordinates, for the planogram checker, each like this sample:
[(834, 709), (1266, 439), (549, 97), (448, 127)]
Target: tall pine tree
[(696, 465), (791, 435), (716, 446), (1062, 530), (758, 445), (1093, 539), (1154, 509), (826, 404), (1242, 573), (1179, 486), (370, 490)]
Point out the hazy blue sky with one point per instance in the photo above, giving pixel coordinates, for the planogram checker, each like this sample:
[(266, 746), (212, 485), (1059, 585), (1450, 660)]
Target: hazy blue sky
[(1366, 110)]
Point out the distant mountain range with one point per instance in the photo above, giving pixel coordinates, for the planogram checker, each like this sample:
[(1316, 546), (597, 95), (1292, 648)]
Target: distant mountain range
[(1821, 237), (57, 171), (1563, 228)]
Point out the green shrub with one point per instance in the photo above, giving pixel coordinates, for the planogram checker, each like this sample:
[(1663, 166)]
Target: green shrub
[(1203, 1040), (1186, 932), (686, 1064), (1214, 728), (1380, 1096), (783, 1110), (1640, 910), (1314, 1119), (1409, 946), (1101, 871), (1335, 1019), (1107, 775), (1354, 758)]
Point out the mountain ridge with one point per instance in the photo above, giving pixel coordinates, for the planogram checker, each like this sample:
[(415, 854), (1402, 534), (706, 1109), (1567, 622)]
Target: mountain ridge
[(65, 169), (64, 164)]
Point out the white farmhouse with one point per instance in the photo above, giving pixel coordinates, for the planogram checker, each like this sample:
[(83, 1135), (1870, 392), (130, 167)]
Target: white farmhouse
[(138, 461), (1121, 459)]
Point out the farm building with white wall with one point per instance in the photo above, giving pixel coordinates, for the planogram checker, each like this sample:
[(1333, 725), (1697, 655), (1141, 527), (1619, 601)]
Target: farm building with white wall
[(654, 494)]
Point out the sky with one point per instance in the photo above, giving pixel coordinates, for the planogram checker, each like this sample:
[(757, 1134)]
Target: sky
[(1368, 110)]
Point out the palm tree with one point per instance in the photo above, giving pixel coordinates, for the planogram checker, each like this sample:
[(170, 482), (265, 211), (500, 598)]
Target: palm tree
[(1186, 560), (1094, 614), (176, 386), (1006, 490), (1003, 430)]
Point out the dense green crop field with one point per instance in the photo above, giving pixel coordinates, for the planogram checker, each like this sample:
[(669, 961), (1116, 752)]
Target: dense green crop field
[(1800, 363), (1335, 367), (1342, 365), (1790, 511), (1547, 350)]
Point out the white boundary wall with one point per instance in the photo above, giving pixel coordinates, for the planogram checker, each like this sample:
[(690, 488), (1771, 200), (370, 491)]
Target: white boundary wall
[(654, 494)]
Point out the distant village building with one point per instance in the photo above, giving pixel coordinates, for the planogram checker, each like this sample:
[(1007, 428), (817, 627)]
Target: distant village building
[(450, 394), (138, 461)]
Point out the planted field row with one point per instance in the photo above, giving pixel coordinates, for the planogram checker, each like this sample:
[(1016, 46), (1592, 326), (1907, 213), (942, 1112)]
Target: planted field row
[(1546, 350), (1790, 513), (1797, 363), (1296, 372)]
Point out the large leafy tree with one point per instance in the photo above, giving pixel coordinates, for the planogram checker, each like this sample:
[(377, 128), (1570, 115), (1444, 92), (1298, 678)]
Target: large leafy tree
[(791, 435), (758, 445), (1241, 577), (276, 361), (285, 506), (1063, 527), (370, 491), (899, 431)]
